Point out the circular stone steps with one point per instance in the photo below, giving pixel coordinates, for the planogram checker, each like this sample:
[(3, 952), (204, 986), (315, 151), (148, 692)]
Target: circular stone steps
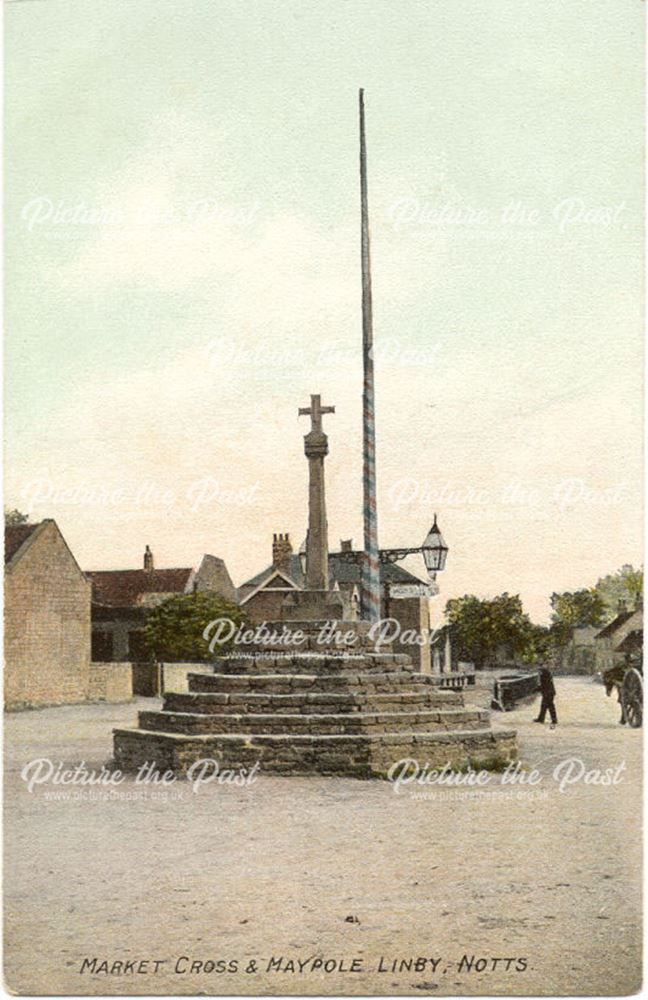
[(300, 713), (316, 725), (317, 702), (395, 681), (294, 662), (357, 756)]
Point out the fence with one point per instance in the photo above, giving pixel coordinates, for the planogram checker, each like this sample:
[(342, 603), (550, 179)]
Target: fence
[(456, 679)]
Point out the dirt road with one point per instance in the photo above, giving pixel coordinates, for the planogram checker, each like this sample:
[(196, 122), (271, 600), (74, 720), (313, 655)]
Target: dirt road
[(408, 893)]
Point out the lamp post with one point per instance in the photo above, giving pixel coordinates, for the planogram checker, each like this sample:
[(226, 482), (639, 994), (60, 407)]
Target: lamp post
[(434, 551)]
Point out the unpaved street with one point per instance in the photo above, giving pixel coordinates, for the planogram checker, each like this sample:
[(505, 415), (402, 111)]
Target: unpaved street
[(349, 871)]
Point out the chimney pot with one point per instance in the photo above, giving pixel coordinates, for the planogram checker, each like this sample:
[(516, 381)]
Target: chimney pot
[(281, 551), (148, 559)]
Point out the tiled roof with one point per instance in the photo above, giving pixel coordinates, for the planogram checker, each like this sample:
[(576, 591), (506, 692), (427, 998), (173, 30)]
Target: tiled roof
[(124, 587), (340, 571), (294, 573), (616, 623), (345, 572), (15, 536)]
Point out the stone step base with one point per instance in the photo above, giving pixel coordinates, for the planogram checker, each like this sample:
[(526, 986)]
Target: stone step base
[(448, 720), (287, 683), (294, 662), (308, 703), (284, 636), (359, 756)]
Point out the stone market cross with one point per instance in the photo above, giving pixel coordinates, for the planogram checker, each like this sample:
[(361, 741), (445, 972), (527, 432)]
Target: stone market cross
[(316, 449)]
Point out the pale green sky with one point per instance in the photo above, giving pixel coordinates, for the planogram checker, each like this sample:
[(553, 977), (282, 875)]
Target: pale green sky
[(155, 348)]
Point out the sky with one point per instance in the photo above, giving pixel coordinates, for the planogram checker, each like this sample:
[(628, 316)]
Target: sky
[(182, 233)]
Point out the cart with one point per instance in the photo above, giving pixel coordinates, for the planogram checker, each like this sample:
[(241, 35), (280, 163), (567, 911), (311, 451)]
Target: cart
[(627, 678), (632, 697)]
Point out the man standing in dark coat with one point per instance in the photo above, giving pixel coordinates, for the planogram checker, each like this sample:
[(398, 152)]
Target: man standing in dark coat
[(548, 692)]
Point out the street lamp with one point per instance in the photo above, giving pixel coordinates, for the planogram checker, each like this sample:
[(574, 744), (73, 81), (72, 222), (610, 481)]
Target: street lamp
[(435, 551)]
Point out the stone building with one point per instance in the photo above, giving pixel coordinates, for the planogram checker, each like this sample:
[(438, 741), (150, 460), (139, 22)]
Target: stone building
[(578, 655), (265, 595), (47, 619), (121, 599), (620, 637)]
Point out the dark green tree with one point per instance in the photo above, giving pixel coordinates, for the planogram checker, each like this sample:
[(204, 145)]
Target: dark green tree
[(578, 608), (575, 609), (15, 517), (537, 645), (624, 585), (174, 629), (479, 627)]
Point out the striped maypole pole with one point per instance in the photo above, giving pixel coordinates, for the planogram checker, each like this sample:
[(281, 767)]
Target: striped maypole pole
[(370, 563)]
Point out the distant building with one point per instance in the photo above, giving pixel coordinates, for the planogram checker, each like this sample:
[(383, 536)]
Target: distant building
[(47, 619), (622, 636), (578, 655), (632, 645), (122, 598), (263, 596)]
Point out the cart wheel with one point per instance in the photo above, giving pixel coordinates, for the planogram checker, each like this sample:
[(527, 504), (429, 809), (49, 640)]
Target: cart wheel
[(632, 698)]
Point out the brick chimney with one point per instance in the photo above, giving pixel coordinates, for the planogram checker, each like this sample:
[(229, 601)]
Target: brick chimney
[(281, 552), (148, 559), (346, 545)]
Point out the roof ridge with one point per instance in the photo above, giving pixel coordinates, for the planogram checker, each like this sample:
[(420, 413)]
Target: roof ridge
[(156, 569)]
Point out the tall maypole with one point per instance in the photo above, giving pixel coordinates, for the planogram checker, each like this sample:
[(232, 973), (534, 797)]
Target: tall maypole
[(370, 563)]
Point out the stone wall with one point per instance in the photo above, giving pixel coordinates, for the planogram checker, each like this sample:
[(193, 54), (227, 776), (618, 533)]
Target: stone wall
[(110, 682), (47, 625)]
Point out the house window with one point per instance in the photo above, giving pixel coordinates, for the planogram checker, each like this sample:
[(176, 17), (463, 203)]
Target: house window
[(102, 646)]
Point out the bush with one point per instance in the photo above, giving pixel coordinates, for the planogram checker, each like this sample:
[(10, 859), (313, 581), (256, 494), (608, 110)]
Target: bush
[(174, 629)]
